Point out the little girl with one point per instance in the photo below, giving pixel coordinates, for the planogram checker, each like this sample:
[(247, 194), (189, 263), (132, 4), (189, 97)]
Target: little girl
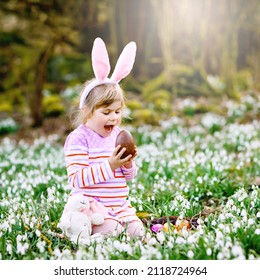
[(93, 163)]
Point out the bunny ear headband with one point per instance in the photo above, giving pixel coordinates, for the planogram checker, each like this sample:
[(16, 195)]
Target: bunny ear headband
[(101, 66)]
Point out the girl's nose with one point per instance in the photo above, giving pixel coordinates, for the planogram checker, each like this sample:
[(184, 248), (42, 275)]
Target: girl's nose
[(113, 116)]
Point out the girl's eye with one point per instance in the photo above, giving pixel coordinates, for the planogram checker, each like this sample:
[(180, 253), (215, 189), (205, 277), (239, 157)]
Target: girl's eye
[(118, 112), (106, 113)]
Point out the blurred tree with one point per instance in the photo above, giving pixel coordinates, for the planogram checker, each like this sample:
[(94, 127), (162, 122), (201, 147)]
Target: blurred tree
[(44, 28), (180, 43)]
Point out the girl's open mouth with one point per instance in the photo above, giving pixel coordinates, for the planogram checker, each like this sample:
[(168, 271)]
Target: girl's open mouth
[(109, 128)]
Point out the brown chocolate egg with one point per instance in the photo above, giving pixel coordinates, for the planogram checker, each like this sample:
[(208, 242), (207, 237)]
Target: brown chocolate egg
[(126, 140)]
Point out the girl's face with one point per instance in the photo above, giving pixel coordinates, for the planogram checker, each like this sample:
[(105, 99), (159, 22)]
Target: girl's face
[(104, 119)]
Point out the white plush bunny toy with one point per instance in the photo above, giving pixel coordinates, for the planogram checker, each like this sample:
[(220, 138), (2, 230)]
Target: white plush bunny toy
[(77, 219)]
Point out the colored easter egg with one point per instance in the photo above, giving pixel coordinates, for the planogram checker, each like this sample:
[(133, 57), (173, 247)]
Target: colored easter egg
[(156, 227), (167, 227)]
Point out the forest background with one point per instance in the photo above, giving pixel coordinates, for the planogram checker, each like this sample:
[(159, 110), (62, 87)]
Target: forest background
[(205, 50)]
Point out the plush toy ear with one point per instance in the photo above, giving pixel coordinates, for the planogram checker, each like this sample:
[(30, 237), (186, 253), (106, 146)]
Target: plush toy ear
[(125, 62), (100, 60)]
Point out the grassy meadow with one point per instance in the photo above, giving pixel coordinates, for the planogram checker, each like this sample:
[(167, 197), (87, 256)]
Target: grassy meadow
[(204, 166)]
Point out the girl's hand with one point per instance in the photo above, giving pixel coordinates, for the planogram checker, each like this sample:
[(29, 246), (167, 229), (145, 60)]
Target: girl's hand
[(115, 160), (129, 163)]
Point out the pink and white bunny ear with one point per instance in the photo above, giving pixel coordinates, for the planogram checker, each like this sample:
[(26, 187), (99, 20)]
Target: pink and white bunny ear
[(101, 66), (125, 62), (100, 60)]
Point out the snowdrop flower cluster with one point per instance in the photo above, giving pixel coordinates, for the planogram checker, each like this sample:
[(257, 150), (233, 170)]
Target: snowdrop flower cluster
[(181, 168), (8, 123), (239, 109), (212, 119)]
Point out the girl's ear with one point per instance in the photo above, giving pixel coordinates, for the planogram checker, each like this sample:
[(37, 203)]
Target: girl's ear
[(100, 60), (125, 62), (86, 114)]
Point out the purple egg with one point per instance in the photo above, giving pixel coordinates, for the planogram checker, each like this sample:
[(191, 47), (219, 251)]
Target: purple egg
[(156, 227)]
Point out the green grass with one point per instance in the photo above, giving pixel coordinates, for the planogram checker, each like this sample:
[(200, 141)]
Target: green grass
[(184, 170)]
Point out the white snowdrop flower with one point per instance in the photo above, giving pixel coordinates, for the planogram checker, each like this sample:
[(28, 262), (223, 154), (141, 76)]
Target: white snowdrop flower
[(152, 241), (22, 248), (148, 235), (160, 236), (236, 225), (190, 254), (250, 221), (219, 235), (251, 257), (180, 240), (209, 252), (228, 244), (220, 256), (184, 232), (116, 244), (227, 229), (221, 217), (230, 202), (40, 245), (191, 239), (79, 255), (244, 219), (234, 208), (243, 213), (170, 244), (243, 196), (257, 231), (221, 226), (38, 233), (240, 257), (213, 223), (18, 238), (19, 248), (258, 214), (237, 250), (12, 221), (46, 218), (127, 248), (9, 248), (199, 180), (226, 253), (5, 225)]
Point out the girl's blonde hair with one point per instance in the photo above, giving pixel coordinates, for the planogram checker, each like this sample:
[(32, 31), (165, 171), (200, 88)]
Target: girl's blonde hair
[(100, 96)]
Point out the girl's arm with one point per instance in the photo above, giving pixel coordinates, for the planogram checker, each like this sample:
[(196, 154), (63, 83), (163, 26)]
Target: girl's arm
[(129, 169), (129, 172)]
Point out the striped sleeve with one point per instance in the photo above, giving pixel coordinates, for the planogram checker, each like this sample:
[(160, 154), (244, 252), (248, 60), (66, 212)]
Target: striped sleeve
[(129, 173), (80, 173)]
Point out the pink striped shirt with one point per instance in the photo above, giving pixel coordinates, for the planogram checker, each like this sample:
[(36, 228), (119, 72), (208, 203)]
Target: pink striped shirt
[(89, 171)]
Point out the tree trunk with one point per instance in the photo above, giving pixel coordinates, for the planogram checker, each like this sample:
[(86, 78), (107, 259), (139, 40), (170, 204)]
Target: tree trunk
[(40, 76), (163, 12)]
